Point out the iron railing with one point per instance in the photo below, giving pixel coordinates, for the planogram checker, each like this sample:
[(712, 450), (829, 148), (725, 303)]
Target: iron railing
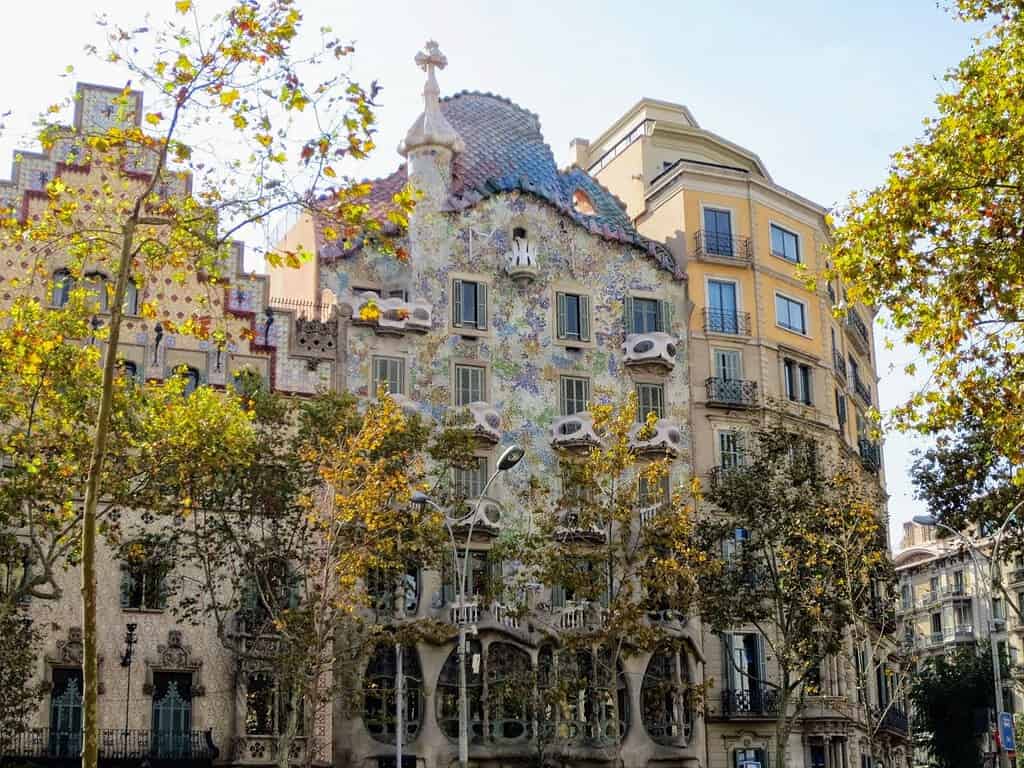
[(719, 246), (862, 390), (896, 720), (870, 455), (859, 331), (726, 321), (749, 703), (114, 744), (733, 392), (839, 364)]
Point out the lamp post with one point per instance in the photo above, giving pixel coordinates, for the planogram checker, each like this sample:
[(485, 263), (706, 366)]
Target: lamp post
[(508, 459), (126, 661), (993, 579)]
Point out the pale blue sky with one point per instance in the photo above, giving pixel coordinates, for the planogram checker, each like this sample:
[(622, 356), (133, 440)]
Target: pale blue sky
[(822, 91)]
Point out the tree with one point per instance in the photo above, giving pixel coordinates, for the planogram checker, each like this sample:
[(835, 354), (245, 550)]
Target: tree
[(951, 695), (795, 545), (615, 541), (282, 552), (156, 205), (18, 697), (938, 243)]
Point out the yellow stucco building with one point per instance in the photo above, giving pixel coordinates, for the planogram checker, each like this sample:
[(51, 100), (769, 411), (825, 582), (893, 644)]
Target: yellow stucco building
[(764, 345)]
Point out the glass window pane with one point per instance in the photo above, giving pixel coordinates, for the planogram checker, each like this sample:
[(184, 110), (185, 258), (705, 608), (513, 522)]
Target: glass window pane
[(469, 303), (572, 316)]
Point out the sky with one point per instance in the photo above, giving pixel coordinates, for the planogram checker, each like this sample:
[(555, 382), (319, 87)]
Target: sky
[(822, 91)]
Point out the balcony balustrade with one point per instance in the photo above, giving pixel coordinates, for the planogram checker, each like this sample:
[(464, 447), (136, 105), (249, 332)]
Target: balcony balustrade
[(715, 246), (862, 390), (732, 393), (749, 703), (870, 455), (857, 330), (464, 613), (896, 721), (839, 364), (160, 749), (727, 321)]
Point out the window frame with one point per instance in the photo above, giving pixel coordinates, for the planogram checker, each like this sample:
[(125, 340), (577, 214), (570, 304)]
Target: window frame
[(798, 380), (584, 318), (457, 316), (456, 367), (803, 314), (772, 228), (730, 252), (376, 380), (563, 381), (738, 450), (663, 313), (641, 415), (460, 477)]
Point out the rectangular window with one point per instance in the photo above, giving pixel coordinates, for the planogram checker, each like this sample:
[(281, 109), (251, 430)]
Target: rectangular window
[(958, 582), (573, 316), (650, 398), (575, 395), (718, 232), (841, 408), (389, 374), (723, 308), (469, 483), (936, 625), (790, 314), (798, 378), (728, 364), (470, 384), (749, 758), (785, 244), (143, 585), (484, 571), (653, 493), (730, 448), (997, 608), (643, 315), (469, 304), (963, 615)]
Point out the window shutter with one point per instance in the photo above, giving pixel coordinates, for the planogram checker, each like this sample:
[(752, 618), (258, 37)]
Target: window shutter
[(665, 316), (456, 303), (560, 319), (481, 306), (730, 672), (563, 395), (558, 596), (584, 318), (127, 583), (627, 314)]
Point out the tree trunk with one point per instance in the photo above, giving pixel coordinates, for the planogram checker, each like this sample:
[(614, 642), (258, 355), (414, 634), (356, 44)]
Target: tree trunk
[(90, 666), (782, 725), (286, 737)]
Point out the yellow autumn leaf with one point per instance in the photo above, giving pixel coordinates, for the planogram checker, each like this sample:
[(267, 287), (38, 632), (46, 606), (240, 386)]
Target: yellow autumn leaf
[(153, 118), (183, 6), (227, 98), (329, 172), (264, 138)]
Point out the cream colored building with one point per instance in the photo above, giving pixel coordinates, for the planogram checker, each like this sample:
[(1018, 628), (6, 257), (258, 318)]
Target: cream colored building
[(946, 600), (762, 346)]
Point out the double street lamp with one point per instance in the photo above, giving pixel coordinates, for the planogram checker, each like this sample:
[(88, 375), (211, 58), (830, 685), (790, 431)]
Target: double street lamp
[(508, 459), (985, 604)]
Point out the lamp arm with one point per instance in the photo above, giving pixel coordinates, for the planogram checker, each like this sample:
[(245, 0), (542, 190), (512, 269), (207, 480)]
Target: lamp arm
[(999, 539), (469, 534)]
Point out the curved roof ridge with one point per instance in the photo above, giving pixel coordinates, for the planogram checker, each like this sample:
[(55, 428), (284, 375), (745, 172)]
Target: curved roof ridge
[(496, 97)]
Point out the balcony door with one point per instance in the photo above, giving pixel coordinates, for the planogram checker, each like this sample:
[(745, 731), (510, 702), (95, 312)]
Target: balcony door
[(722, 307), (66, 713), (718, 231), (172, 714), (744, 671)]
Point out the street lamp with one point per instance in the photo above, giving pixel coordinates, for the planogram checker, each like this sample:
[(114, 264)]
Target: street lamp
[(126, 661), (508, 459), (931, 521)]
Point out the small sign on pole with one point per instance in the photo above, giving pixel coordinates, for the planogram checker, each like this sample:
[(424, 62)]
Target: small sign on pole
[(1006, 735)]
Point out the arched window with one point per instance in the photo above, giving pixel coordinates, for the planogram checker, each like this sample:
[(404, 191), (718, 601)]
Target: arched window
[(599, 709), (66, 713), (96, 286), (131, 298), (582, 203), (172, 714), (380, 694), (448, 694), (63, 284), (665, 700), (192, 380), (509, 693)]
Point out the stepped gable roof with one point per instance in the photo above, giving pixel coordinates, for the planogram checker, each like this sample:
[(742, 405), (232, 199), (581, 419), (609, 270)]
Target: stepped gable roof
[(504, 151)]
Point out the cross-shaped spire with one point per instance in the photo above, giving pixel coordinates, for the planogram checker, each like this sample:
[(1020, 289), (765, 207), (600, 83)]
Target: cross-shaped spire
[(430, 59), (431, 128)]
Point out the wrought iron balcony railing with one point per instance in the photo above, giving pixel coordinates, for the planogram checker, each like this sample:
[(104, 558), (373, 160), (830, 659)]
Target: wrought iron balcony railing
[(863, 390), (735, 393), (895, 720), (839, 364), (749, 703), (726, 321), (179, 748), (718, 246), (870, 454), (858, 331)]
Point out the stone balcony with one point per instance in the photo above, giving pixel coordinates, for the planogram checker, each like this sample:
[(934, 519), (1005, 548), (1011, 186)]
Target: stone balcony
[(653, 352), (389, 316), (256, 750), (575, 432), (521, 261), (483, 419), (665, 439)]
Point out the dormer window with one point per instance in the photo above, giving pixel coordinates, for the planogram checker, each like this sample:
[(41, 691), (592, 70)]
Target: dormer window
[(582, 203)]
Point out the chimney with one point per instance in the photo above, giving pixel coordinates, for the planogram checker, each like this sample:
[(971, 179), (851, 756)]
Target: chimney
[(579, 152)]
